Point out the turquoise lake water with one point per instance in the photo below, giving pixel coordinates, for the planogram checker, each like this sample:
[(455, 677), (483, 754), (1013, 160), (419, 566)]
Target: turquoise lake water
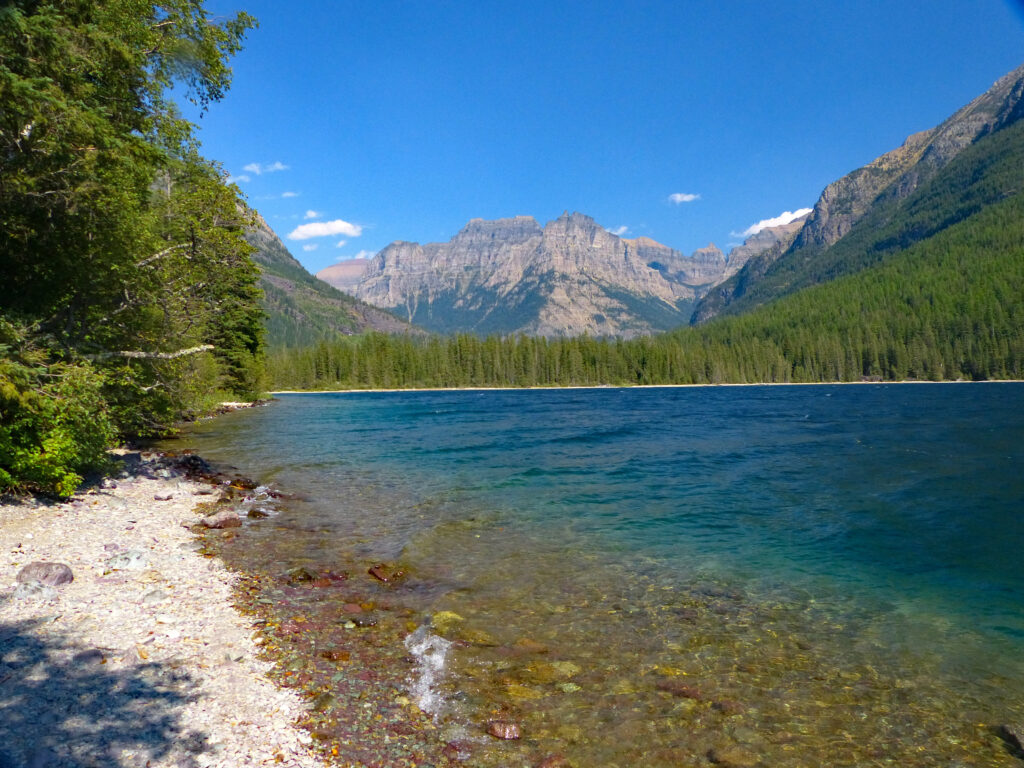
[(797, 575)]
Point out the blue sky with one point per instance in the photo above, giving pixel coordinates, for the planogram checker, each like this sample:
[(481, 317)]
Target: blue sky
[(381, 121)]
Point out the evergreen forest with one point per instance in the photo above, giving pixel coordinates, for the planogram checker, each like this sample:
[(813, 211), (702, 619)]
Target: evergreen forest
[(949, 307), (130, 299)]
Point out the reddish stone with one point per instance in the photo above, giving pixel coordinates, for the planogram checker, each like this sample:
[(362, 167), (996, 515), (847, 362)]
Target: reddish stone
[(352, 608), (677, 688), (504, 729)]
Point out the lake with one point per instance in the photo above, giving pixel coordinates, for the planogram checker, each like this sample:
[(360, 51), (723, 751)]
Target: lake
[(784, 575)]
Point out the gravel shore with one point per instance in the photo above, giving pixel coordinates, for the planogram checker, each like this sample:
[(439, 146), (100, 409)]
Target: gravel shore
[(141, 660)]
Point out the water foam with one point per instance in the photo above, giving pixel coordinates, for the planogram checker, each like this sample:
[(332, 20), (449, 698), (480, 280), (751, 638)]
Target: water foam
[(430, 652)]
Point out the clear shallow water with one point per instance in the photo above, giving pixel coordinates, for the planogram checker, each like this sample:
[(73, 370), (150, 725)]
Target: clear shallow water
[(773, 575)]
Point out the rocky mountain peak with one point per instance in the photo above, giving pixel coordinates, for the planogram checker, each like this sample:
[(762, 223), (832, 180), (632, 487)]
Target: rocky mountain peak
[(709, 254), (516, 229), (576, 224)]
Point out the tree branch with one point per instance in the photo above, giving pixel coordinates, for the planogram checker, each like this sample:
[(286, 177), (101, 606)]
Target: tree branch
[(138, 355), (162, 253)]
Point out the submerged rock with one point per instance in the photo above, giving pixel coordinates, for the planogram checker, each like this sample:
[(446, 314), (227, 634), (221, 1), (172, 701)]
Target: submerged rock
[(1012, 735), (677, 688), (386, 573), (733, 757), (50, 574), (299, 574), (504, 729)]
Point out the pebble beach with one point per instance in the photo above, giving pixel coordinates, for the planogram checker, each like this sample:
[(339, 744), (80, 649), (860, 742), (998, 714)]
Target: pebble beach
[(141, 659)]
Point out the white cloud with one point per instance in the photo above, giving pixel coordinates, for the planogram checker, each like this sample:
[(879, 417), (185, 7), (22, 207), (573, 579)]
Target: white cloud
[(364, 255), (310, 247), (325, 228), (312, 215), (341, 244), (236, 179), (258, 169), (289, 194), (619, 231), (682, 197), (783, 218)]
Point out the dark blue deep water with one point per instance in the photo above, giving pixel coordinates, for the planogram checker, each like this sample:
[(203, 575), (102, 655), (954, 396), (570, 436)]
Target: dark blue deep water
[(866, 537)]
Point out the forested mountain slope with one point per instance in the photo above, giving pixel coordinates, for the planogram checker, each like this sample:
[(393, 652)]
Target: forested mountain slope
[(301, 309), (902, 197)]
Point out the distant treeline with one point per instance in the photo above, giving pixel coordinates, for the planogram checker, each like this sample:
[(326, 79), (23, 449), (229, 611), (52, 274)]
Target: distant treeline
[(951, 307)]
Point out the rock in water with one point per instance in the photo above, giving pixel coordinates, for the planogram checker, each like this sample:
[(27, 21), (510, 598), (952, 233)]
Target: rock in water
[(1013, 735), (386, 573), (225, 519), (733, 756), (503, 729), (50, 574)]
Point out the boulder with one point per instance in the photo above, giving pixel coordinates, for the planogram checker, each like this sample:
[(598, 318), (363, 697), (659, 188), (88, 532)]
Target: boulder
[(226, 519), (50, 574)]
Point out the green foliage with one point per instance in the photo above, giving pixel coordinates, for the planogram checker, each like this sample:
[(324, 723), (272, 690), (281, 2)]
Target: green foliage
[(128, 283), (54, 423)]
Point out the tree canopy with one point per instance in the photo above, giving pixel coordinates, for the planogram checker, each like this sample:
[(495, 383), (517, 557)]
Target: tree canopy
[(127, 280)]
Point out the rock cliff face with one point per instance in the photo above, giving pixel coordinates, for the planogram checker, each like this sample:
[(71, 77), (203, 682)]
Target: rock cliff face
[(564, 279), (885, 181)]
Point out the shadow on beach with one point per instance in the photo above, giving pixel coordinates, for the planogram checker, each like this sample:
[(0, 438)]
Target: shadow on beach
[(62, 706)]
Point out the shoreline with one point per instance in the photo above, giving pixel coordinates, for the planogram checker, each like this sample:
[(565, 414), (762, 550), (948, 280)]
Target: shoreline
[(143, 659), (640, 386)]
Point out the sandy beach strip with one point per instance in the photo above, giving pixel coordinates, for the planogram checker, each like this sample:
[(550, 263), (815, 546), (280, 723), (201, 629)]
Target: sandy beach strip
[(141, 660)]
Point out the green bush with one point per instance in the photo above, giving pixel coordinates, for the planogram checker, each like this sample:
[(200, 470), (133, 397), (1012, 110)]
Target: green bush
[(54, 422)]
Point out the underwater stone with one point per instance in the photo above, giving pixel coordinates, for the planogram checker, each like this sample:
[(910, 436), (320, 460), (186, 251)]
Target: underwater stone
[(504, 729)]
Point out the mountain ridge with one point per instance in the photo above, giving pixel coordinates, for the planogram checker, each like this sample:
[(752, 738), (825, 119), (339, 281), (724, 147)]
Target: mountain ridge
[(512, 275), (881, 185)]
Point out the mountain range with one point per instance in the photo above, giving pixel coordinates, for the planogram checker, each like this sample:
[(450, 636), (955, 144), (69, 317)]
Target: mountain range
[(567, 278), (571, 276)]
